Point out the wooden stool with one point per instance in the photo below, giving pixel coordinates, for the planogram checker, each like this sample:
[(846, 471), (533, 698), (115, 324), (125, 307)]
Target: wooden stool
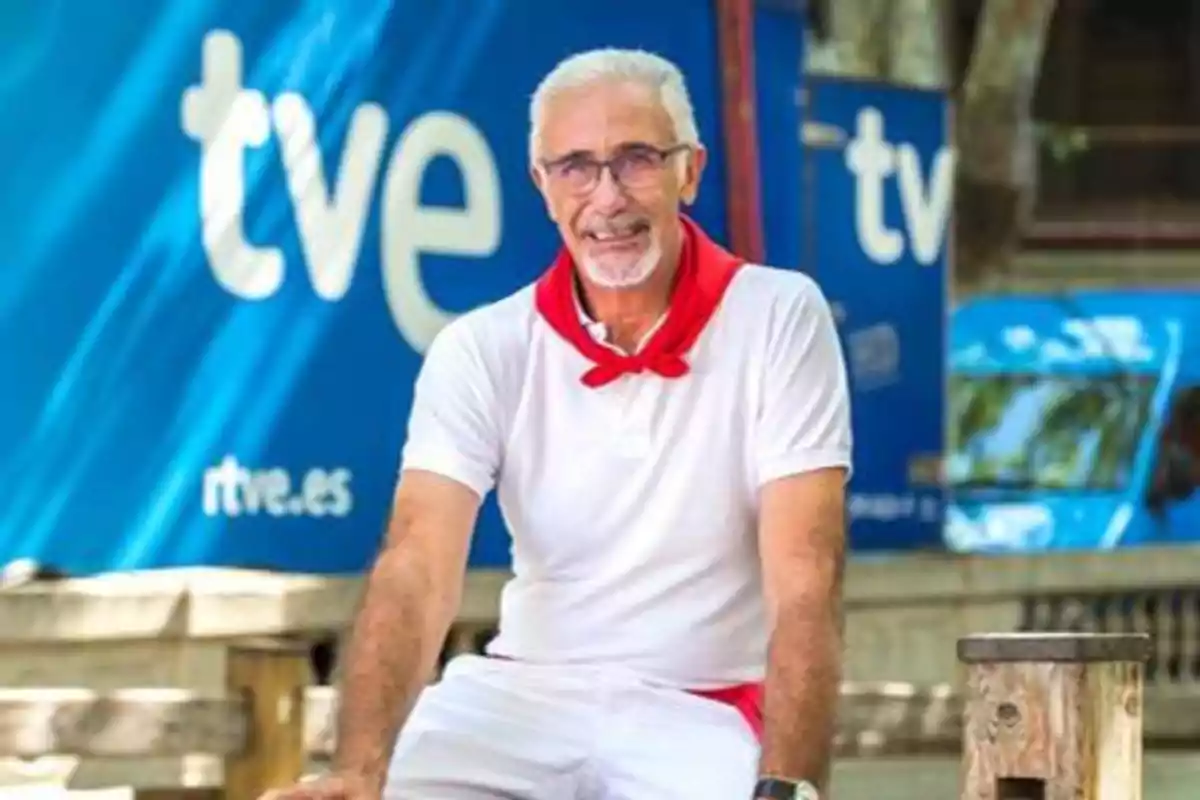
[(1053, 716)]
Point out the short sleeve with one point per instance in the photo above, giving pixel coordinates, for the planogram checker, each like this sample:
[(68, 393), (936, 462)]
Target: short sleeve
[(804, 417), (452, 427)]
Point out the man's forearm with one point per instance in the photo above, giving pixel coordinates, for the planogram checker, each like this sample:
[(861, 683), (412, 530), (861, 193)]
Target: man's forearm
[(390, 658), (801, 694)]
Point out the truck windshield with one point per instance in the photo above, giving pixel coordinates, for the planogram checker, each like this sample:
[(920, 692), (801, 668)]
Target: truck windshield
[(1045, 431)]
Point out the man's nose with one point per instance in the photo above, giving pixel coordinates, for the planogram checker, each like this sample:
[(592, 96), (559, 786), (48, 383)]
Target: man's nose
[(608, 194)]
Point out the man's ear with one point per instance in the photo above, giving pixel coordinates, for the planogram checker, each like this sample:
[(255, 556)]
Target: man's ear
[(539, 180), (693, 170)]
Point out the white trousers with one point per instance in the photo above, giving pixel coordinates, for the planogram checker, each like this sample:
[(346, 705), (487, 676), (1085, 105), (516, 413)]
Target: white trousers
[(502, 729)]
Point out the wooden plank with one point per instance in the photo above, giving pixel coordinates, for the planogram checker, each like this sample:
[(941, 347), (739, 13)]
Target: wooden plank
[(898, 719), (274, 678), (1062, 647), (875, 719), (1113, 710), (126, 723), (320, 717)]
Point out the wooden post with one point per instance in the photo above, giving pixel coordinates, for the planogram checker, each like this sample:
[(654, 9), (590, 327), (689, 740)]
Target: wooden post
[(1053, 716), (272, 677)]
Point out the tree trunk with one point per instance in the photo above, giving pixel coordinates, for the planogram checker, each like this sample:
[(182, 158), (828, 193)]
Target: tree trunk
[(917, 39), (904, 41), (996, 179), (856, 40)]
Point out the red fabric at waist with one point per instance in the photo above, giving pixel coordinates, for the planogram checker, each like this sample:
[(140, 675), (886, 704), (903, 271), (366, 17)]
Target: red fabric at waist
[(746, 699)]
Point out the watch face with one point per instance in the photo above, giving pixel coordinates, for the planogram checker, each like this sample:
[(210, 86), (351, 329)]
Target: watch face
[(806, 791)]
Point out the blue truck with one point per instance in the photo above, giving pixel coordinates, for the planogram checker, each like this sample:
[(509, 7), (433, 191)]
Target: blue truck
[(1074, 421)]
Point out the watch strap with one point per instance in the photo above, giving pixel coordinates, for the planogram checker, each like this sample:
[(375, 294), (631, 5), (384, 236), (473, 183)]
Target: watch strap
[(782, 789)]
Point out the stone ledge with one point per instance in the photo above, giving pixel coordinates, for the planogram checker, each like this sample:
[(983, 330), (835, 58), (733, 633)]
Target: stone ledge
[(192, 603), (210, 603)]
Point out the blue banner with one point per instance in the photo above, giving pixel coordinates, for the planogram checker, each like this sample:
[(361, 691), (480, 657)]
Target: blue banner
[(879, 207), (230, 229)]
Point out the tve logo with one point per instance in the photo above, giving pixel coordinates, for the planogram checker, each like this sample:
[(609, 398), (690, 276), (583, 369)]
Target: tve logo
[(924, 199), (226, 119)]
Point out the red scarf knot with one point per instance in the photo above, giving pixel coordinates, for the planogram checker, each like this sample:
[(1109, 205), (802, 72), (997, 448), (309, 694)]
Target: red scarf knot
[(668, 366), (705, 272)]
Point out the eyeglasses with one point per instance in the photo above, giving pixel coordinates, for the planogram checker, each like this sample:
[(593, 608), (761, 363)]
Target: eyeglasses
[(633, 166)]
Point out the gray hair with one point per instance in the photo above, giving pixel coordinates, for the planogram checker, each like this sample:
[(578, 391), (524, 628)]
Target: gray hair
[(613, 64)]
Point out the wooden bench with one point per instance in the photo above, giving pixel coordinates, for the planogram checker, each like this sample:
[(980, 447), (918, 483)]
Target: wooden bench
[(176, 630), (270, 726)]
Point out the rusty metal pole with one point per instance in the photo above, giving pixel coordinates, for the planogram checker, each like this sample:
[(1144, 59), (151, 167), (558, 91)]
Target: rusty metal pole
[(739, 117)]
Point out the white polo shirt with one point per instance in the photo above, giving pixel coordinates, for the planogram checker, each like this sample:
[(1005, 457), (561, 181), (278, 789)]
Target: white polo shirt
[(633, 506)]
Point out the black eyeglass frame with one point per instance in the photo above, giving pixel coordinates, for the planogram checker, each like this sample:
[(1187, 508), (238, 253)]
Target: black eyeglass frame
[(616, 165)]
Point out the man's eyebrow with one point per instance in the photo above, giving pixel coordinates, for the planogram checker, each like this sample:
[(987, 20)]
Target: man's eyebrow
[(570, 155), (622, 147)]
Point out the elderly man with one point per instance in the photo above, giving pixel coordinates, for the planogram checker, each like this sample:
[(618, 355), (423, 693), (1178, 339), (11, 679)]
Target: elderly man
[(667, 430)]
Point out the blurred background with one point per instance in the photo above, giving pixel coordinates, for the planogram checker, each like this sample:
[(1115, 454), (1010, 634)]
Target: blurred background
[(229, 231)]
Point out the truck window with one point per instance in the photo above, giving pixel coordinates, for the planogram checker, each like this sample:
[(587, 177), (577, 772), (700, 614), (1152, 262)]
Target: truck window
[(1050, 432), (1180, 441)]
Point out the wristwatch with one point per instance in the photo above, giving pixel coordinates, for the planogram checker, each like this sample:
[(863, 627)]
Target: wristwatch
[(783, 789)]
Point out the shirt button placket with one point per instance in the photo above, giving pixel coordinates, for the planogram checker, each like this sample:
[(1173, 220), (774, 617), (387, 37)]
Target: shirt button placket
[(635, 433)]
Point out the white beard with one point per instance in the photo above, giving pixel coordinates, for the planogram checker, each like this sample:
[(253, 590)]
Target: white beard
[(608, 274)]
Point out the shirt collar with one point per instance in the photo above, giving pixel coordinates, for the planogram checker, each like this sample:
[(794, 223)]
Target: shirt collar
[(599, 331)]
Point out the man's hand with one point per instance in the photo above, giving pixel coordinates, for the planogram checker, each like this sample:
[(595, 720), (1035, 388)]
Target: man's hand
[(327, 787)]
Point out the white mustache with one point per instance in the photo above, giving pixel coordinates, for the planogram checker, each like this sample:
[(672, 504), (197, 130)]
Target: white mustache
[(615, 227)]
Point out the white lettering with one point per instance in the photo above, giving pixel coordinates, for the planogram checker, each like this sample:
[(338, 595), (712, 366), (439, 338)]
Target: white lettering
[(924, 202), (231, 490), (330, 224), (871, 159), (226, 119), (412, 229)]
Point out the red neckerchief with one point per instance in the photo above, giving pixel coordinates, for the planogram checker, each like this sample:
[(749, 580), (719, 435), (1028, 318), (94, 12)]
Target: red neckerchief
[(705, 271)]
